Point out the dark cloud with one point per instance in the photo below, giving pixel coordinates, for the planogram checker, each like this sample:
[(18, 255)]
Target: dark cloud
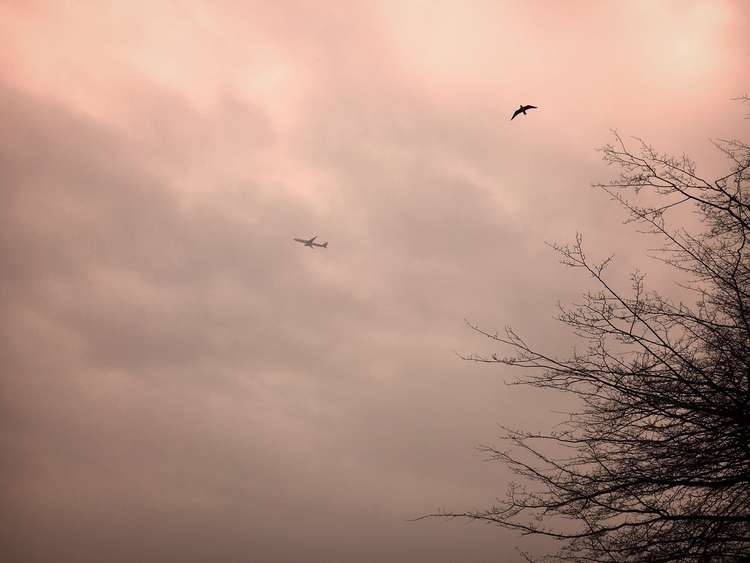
[(177, 372)]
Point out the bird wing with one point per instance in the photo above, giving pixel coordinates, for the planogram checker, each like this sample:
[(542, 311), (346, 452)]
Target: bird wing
[(515, 113), (530, 107)]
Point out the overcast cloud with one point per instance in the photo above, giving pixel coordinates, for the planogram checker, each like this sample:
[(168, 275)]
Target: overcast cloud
[(182, 382)]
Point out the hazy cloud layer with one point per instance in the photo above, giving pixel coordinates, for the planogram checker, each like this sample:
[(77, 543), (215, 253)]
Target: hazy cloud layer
[(182, 382)]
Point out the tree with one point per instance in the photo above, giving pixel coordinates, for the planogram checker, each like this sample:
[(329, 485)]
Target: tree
[(745, 99), (655, 464)]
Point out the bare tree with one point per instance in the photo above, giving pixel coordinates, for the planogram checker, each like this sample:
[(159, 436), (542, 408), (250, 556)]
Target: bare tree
[(745, 99), (655, 465)]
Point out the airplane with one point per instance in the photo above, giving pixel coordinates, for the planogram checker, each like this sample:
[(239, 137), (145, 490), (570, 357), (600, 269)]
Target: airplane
[(311, 243), (522, 110)]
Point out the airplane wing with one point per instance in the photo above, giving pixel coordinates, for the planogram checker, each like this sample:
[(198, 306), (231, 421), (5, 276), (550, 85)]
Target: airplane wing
[(306, 241)]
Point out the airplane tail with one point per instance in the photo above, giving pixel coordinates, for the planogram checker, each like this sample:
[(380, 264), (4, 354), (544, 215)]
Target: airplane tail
[(325, 244)]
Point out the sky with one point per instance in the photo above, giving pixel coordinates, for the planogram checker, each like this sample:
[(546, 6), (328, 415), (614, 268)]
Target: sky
[(181, 382)]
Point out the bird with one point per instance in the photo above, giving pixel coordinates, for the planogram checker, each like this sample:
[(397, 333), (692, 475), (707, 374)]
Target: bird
[(522, 110)]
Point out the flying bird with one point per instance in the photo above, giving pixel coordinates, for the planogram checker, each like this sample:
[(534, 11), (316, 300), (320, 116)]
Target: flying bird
[(522, 110), (310, 242)]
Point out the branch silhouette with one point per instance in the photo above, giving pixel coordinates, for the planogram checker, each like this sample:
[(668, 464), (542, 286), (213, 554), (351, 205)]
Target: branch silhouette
[(655, 464)]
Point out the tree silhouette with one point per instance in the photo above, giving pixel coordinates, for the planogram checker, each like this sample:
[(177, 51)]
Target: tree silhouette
[(744, 99), (655, 464)]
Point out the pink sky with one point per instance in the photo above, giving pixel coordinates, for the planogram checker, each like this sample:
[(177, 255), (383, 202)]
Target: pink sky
[(182, 382)]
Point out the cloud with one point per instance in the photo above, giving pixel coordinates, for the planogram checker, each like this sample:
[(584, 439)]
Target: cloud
[(182, 381)]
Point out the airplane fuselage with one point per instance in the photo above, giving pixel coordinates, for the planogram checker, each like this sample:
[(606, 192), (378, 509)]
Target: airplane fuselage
[(310, 243)]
